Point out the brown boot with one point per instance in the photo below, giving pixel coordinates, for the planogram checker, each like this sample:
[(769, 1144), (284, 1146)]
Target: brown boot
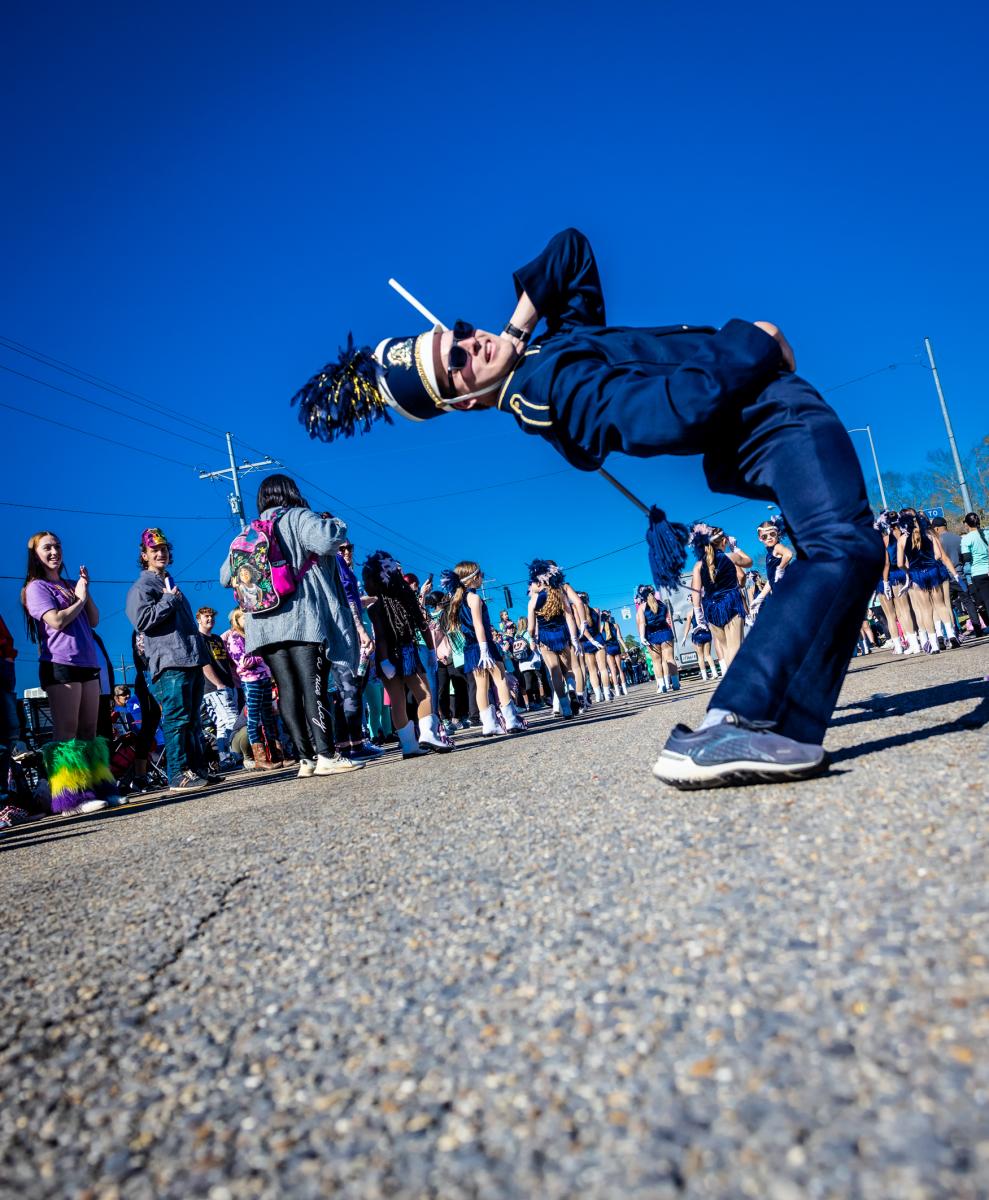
[(280, 758), (261, 757)]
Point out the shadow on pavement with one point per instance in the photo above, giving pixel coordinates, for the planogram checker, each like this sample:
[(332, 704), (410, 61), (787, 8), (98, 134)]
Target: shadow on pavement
[(898, 703), (978, 718)]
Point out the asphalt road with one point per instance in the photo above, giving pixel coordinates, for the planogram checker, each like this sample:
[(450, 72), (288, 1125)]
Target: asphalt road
[(522, 969)]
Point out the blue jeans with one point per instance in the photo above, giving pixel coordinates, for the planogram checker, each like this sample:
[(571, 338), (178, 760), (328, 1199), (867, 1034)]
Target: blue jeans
[(179, 692), (788, 445), (260, 713)]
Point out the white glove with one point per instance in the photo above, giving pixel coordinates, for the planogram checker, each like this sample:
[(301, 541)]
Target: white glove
[(594, 642), (485, 662), (387, 668)]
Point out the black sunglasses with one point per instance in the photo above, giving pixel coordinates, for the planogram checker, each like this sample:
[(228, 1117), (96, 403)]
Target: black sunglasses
[(458, 358)]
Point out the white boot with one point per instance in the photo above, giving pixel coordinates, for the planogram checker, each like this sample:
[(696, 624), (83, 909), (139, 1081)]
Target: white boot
[(913, 644), (407, 740), (932, 647), (607, 692), (489, 724), (598, 695), (556, 703), (429, 736), (510, 715), (624, 687), (661, 687)]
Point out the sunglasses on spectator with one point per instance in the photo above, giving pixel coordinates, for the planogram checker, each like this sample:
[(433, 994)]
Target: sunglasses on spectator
[(458, 358), (764, 537)]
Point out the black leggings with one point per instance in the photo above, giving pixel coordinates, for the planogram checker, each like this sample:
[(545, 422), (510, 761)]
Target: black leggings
[(980, 591), (301, 672), (144, 739)]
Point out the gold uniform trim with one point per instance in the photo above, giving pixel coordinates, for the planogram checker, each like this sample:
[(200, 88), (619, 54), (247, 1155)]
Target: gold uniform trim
[(424, 378), (518, 400)]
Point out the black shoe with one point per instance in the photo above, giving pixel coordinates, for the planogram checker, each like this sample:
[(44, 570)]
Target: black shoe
[(210, 776)]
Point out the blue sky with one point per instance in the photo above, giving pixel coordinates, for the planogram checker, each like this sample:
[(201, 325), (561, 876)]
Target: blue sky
[(200, 202)]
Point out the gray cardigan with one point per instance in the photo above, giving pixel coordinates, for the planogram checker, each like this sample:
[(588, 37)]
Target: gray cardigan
[(171, 635), (317, 610)]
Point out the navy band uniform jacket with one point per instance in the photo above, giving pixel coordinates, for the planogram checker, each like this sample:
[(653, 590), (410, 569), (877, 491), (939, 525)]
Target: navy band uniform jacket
[(589, 388)]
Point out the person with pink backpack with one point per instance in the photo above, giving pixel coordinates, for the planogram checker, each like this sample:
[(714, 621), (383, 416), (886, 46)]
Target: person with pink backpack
[(284, 574)]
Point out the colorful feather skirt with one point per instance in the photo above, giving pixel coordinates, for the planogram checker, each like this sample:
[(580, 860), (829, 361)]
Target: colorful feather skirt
[(78, 771)]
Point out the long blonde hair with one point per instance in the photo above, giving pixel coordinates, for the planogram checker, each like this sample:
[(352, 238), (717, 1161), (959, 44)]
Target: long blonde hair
[(465, 571)]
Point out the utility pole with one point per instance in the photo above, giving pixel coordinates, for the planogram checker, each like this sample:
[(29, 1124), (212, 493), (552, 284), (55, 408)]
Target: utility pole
[(233, 473), (872, 445), (124, 669), (966, 498)]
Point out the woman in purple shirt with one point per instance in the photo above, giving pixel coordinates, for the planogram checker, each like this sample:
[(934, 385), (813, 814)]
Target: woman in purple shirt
[(61, 617)]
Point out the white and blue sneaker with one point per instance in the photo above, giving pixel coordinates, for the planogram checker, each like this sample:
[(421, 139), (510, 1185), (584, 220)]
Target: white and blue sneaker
[(733, 752)]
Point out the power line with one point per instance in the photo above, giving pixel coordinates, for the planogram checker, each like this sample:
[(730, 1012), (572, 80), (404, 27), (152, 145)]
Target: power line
[(84, 512), (105, 407), (98, 436), (104, 384)]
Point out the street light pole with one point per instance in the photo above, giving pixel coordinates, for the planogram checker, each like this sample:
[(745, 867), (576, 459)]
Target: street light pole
[(233, 473), (872, 445), (966, 498)]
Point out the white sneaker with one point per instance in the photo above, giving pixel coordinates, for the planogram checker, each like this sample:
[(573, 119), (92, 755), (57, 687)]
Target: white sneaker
[(307, 767), (91, 806), (337, 765)]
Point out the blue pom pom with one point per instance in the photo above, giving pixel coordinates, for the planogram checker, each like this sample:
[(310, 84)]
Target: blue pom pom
[(667, 542)]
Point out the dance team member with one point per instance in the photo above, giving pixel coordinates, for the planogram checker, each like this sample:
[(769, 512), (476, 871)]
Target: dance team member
[(611, 633), (715, 582), (591, 389), (921, 556), (61, 616), (467, 613), (778, 556), (892, 589), (592, 649), (656, 634), (552, 624), (397, 617), (700, 637)]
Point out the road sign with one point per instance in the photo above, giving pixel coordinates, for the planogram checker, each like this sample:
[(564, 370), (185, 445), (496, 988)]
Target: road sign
[(626, 614), (931, 513)]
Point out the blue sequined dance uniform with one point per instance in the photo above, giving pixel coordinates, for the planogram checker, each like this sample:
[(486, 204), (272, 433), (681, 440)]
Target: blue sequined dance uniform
[(657, 630), (611, 646), (926, 571), (897, 576), (472, 648), (722, 598), (552, 632), (772, 566), (593, 631)]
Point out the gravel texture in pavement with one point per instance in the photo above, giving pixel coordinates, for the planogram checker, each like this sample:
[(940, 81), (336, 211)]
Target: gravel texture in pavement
[(523, 969)]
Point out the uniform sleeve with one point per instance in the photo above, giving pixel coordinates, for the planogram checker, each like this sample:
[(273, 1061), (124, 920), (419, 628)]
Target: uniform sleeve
[(563, 282), (601, 408)]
